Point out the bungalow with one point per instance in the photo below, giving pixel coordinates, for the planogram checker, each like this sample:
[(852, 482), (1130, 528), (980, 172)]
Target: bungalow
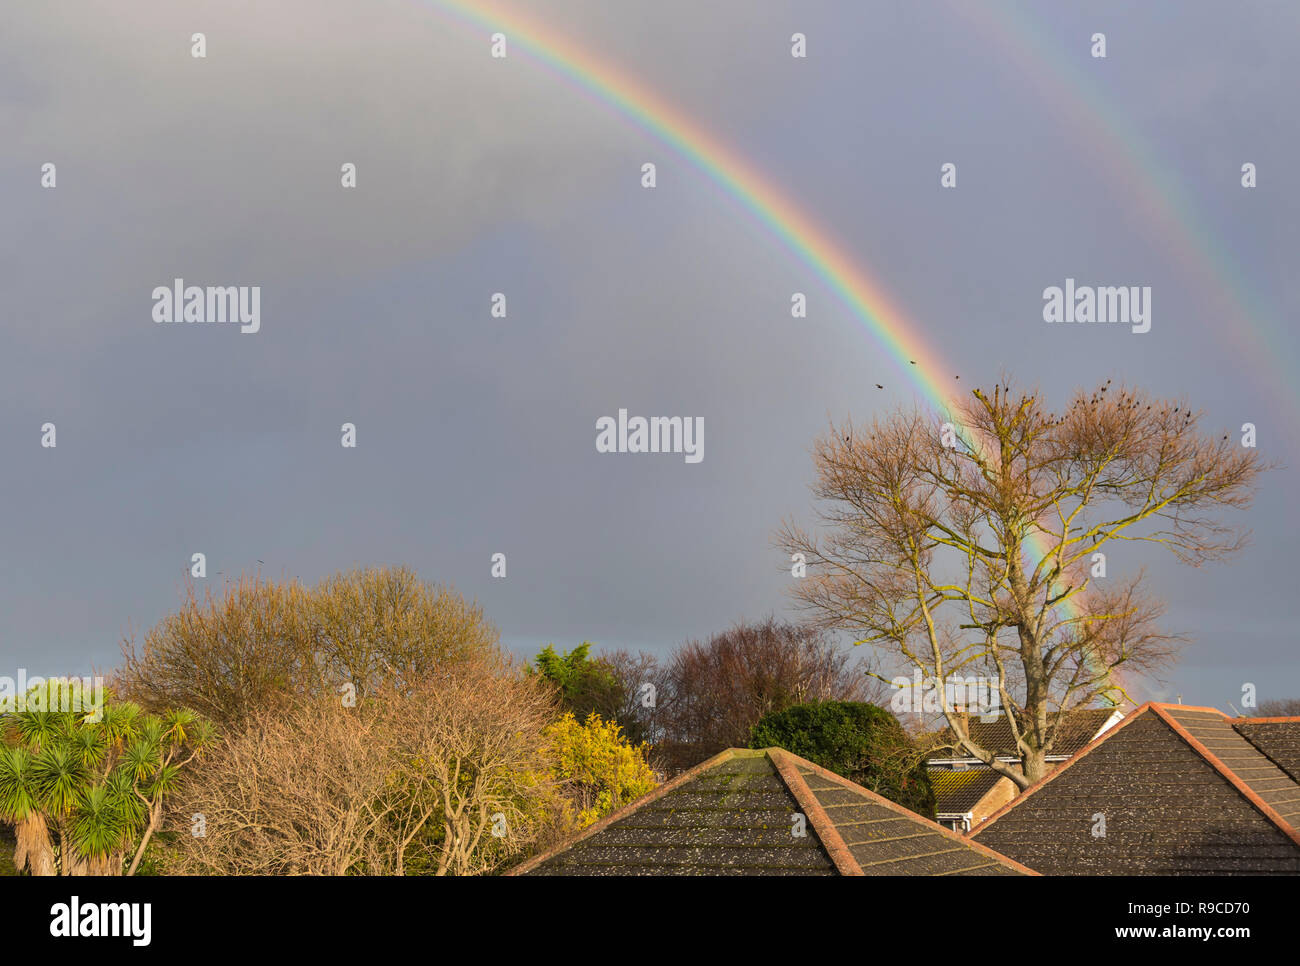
[(1170, 790), (767, 812)]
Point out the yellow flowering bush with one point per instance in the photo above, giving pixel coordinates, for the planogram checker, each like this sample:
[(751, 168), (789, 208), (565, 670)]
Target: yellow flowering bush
[(598, 769)]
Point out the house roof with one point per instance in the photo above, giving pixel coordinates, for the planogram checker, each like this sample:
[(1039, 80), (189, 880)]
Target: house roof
[(1079, 727), (737, 814), (958, 792), (1277, 738), (1169, 790), (1214, 731)]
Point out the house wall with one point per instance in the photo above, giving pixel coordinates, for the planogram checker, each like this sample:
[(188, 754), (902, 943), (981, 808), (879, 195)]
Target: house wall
[(997, 796)]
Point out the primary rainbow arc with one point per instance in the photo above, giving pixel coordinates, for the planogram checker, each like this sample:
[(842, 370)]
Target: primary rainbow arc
[(865, 297)]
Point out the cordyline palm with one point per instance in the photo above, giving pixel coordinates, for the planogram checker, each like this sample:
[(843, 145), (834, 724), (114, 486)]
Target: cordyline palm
[(20, 805), (155, 761), (120, 722), (100, 828), (39, 784), (99, 782)]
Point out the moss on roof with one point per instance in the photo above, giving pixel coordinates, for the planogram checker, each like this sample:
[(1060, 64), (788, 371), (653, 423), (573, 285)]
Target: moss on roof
[(766, 812), (957, 792), (1170, 790)]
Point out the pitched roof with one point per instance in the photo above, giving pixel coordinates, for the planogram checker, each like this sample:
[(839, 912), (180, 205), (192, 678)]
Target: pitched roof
[(738, 814), (1214, 731), (957, 792), (1079, 727), (1278, 738), (1174, 789)]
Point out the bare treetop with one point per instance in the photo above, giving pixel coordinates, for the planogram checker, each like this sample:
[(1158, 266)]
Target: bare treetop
[(975, 543)]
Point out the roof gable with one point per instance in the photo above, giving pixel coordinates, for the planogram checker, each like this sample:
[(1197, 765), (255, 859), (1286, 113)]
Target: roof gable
[(1169, 804), (739, 814)]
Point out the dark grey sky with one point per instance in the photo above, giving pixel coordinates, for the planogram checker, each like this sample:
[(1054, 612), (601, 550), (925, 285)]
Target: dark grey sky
[(476, 435)]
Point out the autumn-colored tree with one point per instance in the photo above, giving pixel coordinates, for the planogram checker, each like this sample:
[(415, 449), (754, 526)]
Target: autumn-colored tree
[(385, 625), (964, 543), (596, 767), (478, 756), (260, 643), (446, 774)]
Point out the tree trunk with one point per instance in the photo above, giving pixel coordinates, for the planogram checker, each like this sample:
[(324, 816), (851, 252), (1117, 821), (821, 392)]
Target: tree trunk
[(34, 848), (76, 864), (155, 818), (1034, 765)]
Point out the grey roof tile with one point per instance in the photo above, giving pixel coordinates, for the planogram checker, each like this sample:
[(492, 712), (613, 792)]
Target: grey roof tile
[(1168, 808), (738, 814), (1277, 738)]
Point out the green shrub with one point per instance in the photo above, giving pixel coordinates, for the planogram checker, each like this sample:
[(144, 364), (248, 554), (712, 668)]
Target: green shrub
[(862, 742)]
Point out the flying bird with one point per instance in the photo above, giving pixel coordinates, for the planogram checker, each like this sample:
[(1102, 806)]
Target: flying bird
[(879, 386)]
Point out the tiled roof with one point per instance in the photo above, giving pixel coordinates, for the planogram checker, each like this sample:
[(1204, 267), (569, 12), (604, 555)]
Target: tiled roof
[(957, 792), (1175, 790), (1214, 731), (1078, 728), (738, 813), (1278, 738)]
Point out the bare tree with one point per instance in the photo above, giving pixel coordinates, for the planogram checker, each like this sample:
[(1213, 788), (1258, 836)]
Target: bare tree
[(386, 625), (262, 643), (641, 678), (1280, 708), (966, 544), (472, 749), (299, 792), (227, 656), (714, 692), (445, 774)]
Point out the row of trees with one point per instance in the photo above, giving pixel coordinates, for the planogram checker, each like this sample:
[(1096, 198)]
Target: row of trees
[(706, 696), (439, 774), (371, 724), (368, 725), (262, 644), (757, 686)]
